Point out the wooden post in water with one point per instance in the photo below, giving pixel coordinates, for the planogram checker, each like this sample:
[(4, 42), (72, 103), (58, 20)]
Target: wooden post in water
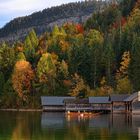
[(131, 107), (128, 107), (125, 107), (112, 107)]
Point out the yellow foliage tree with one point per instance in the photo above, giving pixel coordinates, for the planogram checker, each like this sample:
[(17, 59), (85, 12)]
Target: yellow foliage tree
[(22, 77), (64, 45), (105, 89), (123, 70), (78, 85), (123, 83), (124, 86)]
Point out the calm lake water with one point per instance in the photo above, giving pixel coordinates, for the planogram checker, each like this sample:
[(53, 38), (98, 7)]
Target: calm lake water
[(56, 126)]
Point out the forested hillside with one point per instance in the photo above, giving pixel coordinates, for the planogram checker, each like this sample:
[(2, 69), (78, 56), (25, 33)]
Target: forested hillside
[(100, 58), (46, 19)]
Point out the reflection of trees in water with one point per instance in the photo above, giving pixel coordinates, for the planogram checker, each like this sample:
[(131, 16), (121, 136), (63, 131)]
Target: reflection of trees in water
[(84, 132), (58, 127), (116, 127), (26, 126), (76, 131), (21, 130), (103, 127), (79, 129), (104, 134), (6, 125), (53, 126)]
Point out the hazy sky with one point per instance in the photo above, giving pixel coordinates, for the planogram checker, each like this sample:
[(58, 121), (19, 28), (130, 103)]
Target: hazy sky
[(10, 9)]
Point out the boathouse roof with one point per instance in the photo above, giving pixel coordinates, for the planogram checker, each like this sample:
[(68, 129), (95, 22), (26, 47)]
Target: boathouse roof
[(131, 97), (77, 101), (118, 98), (53, 100), (99, 100)]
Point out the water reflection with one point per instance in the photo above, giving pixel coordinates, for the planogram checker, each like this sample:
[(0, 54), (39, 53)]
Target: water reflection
[(115, 127), (21, 130), (57, 126), (52, 120)]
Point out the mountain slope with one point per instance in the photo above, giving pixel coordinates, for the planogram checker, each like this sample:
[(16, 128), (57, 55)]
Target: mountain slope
[(40, 21)]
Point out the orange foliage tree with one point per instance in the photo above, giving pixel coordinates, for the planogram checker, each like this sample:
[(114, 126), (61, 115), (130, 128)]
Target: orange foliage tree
[(22, 77), (79, 28)]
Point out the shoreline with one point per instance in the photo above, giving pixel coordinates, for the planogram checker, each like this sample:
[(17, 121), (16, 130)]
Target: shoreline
[(22, 110)]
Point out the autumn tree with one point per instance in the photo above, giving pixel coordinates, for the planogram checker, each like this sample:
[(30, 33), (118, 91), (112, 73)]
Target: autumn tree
[(22, 78), (124, 86), (20, 56), (46, 71), (33, 47), (57, 41), (104, 89), (55, 31), (29, 49), (34, 39), (79, 28), (123, 70), (123, 83), (78, 86), (63, 69)]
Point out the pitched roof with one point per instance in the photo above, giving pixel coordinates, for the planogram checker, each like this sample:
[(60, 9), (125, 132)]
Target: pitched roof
[(118, 98), (132, 97), (77, 101), (99, 100), (53, 100)]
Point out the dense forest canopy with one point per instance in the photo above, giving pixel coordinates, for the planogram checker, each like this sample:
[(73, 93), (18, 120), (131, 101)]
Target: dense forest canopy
[(99, 58)]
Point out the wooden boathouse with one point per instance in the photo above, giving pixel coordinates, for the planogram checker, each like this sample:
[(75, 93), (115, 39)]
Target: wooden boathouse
[(117, 103), (132, 103), (113, 103), (76, 105), (54, 103), (100, 103)]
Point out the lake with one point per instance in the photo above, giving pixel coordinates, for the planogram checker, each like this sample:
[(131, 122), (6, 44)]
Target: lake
[(57, 126)]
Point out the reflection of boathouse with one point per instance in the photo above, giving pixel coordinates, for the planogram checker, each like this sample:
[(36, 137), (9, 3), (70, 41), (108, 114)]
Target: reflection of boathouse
[(113, 103)]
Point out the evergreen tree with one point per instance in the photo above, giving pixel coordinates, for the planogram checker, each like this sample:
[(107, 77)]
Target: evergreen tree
[(95, 42), (7, 60), (134, 67), (21, 56), (2, 82), (33, 38), (109, 62), (46, 72), (29, 50)]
